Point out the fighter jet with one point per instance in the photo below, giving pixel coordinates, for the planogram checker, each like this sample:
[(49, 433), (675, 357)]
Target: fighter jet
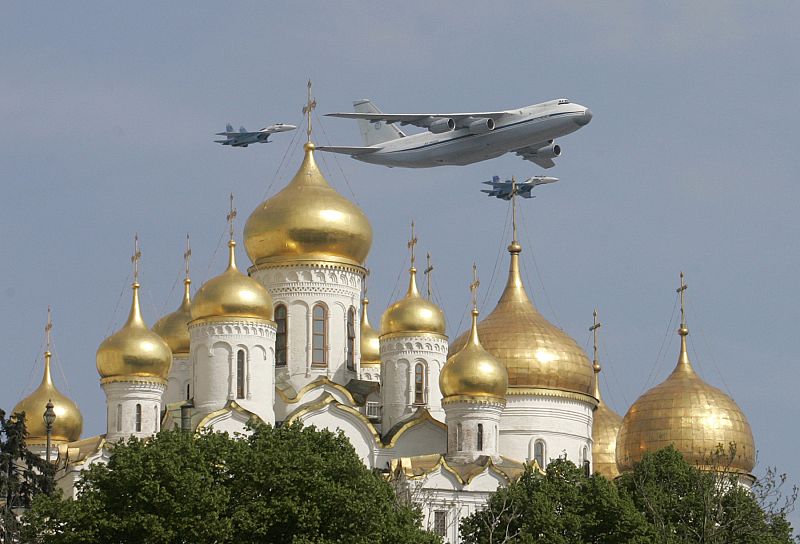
[(463, 138), (243, 138), (506, 189)]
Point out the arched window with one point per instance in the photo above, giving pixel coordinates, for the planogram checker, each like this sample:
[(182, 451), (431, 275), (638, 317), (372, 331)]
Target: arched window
[(459, 438), (419, 384), (119, 417), (138, 418), (240, 374), (281, 336), (480, 436), (319, 338), (156, 419), (350, 348), (539, 452), (587, 465)]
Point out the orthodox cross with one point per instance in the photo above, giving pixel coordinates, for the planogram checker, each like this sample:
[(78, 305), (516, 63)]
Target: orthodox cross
[(680, 290), (514, 207), (231, 216), (308, 108), (593, 329), (135, 258), (411, 244), (473, 287), (47, 328), (427, 273), (186, 255)]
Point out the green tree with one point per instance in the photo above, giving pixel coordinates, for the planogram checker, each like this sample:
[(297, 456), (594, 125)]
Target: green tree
[(23, 475), (289, 484)]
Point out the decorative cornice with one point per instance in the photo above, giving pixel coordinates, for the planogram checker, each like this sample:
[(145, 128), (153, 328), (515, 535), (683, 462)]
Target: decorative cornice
[(308, 264), (413, 336), (231, 320), (495, 401), (543, 392), (134, 380)]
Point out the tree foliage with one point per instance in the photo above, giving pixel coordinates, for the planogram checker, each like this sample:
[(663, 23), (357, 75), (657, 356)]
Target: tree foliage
[(289, 484), (23, 475)]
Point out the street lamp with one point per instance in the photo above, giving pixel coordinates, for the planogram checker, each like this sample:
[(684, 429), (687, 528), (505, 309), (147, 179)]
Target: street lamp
[(49, 419)]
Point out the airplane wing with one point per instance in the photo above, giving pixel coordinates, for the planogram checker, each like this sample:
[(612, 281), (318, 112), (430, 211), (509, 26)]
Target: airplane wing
[(346, 150), (417, 119), (530, 154), (233, 134)]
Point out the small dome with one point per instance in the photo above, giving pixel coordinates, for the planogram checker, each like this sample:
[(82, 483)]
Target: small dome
[(370, 345), (232, 294), (473, 373), (605, 427), (69, 421), (308, 220), (174, 327), (134, 351), (693, 416), (413, 314), (536, 353)]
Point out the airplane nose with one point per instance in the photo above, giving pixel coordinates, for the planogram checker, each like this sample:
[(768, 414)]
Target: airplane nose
[(585, 118)]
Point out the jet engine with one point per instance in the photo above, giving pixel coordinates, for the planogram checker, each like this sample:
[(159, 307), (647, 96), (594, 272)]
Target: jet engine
[(442, 125), (481, 125), (549, 151)]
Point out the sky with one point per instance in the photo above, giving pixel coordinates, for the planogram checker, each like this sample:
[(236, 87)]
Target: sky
[(108, 111)]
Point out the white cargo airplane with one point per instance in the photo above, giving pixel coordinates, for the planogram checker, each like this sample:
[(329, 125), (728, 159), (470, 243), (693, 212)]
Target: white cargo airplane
[(463, 138)]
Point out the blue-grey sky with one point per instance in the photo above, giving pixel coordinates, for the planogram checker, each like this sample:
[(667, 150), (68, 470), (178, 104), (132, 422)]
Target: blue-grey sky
[(107, 115)]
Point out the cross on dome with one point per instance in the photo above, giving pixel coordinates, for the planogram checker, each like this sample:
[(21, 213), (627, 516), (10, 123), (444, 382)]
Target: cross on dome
[(411, 244), (308, 109), (135, 258), (186, 255), (48, 328), (680, 290), (427, 273), (593, 329), (231, 216), (473, 287)]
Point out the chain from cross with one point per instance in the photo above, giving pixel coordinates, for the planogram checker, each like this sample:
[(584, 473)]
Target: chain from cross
[(135, 258), (427, 273), (593, 330), (680, 290), (308, 109), (473, 287), (411, 244), (186, 255), (231, 216), (48, 327)]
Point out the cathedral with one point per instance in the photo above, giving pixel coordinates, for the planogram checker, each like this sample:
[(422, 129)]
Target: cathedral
[(288, 339)]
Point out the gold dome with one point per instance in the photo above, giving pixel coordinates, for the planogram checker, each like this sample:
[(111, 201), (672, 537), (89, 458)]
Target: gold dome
[(134, 352), (691, 415), (174, 327), (536, 354), (605, 427), (232, 294), (370, 345), (69, 421), (308, 220), (473, 373), (413, 314)]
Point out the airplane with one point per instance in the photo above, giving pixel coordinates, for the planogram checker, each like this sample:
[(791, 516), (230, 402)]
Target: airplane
[(462, 138), (506, 189), (243, 138)]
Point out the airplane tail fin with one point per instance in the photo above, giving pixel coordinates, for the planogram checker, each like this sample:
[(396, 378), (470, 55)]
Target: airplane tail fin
[(242, 129), (229, 128), (375, 133)]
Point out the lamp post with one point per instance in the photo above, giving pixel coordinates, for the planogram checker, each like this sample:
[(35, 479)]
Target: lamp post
[(49, 419)]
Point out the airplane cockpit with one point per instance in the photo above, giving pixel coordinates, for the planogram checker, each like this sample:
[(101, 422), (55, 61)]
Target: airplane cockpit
[(562, 101)]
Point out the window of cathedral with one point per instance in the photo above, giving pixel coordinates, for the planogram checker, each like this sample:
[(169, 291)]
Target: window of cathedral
[(480, 436), (240, 374), (138, 418), (351, 339), (419, 384), (281, 336), (539, 452), (319, 338), (440, 523), (459, 438)]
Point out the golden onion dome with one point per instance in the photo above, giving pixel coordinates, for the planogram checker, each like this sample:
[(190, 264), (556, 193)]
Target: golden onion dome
[(536, 353), (693, 416), (308, 220), (174, 327), (69, 421), (134, 352), (413, 314), (232, 294), (605, 427), (473, 373), (370, 345)]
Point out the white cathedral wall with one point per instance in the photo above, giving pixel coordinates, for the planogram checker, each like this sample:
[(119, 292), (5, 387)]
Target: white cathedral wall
[(462, 442), (122, 414), (214, 348), (563, 424), (180, 375)]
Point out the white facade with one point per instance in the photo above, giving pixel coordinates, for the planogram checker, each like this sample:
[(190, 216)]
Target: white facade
[(473, 429), (403, 357), (179, 384), (133, 408)]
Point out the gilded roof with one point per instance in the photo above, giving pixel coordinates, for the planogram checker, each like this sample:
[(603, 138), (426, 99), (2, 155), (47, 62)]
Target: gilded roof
[(412, 313), (370, 342), (422, 465), (174, 327)]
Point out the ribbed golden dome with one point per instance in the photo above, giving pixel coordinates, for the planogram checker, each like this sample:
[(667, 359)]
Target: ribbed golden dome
[(370, 345), (308, 220), (473, 373), (69, 421), (536, 353), (605, 427), (174, 327), (232, 294), (413, 314), (134, 351), (691, 415)]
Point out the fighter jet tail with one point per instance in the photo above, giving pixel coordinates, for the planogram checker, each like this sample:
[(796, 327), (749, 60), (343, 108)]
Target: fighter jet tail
[(375, 133), (229, 128)]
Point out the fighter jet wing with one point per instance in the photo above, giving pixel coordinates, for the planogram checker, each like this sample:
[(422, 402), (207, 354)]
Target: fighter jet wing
[(346, 150), (422, 120)]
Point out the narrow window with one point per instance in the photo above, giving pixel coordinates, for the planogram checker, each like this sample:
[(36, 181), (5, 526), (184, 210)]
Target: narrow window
[(240, 374), (587, 467), (459, 438), (440, 523), (351, 339), (480, 436), (138, 418), (319, 336), (281, 335), (188, 396), (119, 417), (538, 453), (419, 384), (156, 418)]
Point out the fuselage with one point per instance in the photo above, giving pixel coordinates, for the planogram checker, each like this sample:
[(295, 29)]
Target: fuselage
[(527, 126)]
